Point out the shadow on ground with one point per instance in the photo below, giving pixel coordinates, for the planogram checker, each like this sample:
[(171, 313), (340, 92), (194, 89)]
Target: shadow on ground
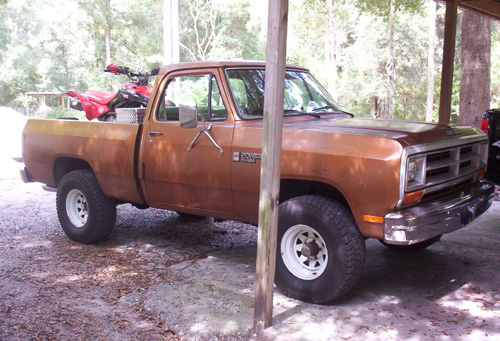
[(447, 291)]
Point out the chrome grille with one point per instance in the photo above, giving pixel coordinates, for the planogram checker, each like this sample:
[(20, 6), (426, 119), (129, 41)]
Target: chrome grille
[(433, 168)]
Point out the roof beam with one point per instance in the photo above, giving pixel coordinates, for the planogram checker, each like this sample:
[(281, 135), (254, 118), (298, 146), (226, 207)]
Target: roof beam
[(490, 8)]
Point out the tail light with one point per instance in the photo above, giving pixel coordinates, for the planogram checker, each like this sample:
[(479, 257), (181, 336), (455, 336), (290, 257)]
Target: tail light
[(485, 122)]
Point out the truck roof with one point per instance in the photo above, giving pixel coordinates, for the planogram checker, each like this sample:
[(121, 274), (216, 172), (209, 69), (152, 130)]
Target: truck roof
[(221, 64)]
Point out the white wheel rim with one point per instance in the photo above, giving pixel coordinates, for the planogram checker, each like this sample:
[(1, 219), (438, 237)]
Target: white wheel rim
[(77, 208), (294, 252)]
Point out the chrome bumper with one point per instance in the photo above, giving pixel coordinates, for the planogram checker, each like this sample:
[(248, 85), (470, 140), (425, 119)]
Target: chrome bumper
[(417, 224)]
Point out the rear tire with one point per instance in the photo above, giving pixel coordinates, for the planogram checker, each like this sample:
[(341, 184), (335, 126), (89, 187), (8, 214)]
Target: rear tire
[(320, 251), (85, 213)]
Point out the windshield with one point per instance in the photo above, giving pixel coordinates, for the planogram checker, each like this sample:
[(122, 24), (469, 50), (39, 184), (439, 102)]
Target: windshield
[(303, 93)]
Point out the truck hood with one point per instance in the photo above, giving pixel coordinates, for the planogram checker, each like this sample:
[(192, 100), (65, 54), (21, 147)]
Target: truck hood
[(408, 132)]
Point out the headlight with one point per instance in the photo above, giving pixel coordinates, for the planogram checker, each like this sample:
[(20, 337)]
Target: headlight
[(415, 172), (412, 168)]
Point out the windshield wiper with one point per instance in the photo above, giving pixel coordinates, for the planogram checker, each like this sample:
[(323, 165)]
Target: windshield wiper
[(336, 111), (325, 107), (292, 112)]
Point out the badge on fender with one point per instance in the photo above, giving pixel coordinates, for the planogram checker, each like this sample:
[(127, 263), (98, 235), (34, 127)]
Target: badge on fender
[(246, 157)]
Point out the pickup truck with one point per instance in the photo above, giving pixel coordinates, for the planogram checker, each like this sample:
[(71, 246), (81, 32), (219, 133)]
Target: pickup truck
[(198, 151)]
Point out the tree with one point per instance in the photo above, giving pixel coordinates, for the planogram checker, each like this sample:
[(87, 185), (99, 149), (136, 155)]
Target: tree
[(388, 10), (238, 36), (391, 66), (171, 31), (107, 32), (202, 28), (102, 16), (475, 72), (331, 49), (218, 29), (430, 60)]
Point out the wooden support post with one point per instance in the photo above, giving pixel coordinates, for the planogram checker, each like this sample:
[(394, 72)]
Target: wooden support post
[(450, 31), (271, 163)]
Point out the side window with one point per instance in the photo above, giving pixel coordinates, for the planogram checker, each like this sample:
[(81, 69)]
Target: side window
[(200, 91)]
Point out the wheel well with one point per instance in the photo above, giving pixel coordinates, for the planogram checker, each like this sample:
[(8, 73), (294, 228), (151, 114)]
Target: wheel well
[(64, 165), (290, 188)]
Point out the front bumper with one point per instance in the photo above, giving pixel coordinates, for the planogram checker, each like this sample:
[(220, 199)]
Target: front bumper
[(420, 223)]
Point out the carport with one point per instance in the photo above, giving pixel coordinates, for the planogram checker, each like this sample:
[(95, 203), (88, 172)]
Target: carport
[(271, 149)]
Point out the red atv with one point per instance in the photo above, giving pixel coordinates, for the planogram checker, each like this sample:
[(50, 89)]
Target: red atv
[(102, 104)]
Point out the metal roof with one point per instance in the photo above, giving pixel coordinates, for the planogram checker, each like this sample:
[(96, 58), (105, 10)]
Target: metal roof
[(490, 8)]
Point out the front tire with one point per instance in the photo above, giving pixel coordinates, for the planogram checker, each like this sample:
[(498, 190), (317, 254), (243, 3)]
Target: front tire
[(320, 251), (85, 213)]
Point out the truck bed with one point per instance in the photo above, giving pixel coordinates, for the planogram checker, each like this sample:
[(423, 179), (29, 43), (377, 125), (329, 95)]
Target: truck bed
[(109, 149)]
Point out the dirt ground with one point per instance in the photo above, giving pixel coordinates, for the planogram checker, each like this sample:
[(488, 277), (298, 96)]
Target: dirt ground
[(53, 288)]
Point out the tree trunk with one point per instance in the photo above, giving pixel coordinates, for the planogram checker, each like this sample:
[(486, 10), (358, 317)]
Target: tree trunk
[(391, 67), (107, 35), (431, 72), (171, 31), (374, 107), (331, 50), (475, 73)]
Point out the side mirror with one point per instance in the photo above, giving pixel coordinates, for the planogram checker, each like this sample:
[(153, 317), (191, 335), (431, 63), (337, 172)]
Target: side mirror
[(188, 116)]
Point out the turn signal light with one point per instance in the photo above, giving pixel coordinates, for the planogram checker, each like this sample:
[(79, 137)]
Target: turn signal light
[(413, 197), (373, 219), (480, 175)]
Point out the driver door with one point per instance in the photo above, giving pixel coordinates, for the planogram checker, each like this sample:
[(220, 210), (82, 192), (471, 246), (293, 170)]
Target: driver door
[(174, 177)]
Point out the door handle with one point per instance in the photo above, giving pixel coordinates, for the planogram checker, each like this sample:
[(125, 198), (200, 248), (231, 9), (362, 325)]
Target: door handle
[(155, 133)]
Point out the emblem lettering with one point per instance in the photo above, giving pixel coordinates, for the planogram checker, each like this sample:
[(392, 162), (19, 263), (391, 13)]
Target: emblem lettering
[(246, 157)]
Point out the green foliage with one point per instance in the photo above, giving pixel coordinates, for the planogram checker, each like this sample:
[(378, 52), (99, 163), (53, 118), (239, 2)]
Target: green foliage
[(218, 29), (237, 38), (382, 7), (50, 47)]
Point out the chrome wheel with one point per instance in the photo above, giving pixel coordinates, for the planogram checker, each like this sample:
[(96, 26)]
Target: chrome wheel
[(77, 208), (304, 252)]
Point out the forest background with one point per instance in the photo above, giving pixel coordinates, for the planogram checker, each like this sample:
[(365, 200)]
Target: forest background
[(379, 58)]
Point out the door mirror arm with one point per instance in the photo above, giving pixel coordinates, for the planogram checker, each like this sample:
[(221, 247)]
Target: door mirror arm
[(206, 132)]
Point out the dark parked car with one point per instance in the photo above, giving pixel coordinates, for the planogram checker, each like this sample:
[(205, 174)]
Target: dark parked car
[(490, 124)]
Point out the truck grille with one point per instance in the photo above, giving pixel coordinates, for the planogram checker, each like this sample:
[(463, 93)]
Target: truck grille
[(430, 169)]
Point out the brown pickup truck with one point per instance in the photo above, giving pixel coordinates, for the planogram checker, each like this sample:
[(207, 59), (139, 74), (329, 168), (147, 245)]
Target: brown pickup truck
[(197, 151)]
